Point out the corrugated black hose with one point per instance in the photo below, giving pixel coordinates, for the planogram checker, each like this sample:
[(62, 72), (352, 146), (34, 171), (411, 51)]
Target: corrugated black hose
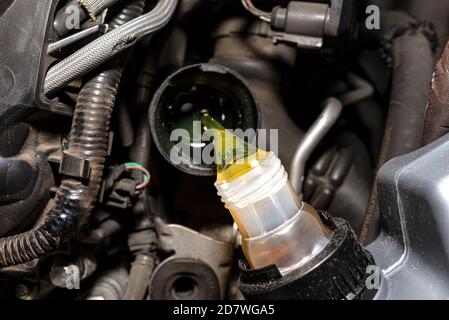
[(89, 138)]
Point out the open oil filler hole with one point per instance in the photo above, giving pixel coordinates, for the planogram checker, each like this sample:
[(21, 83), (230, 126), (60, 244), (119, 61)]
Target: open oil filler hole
[(189, 94), (192, 104)]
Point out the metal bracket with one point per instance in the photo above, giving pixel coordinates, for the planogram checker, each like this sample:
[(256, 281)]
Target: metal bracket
[(186, 243)]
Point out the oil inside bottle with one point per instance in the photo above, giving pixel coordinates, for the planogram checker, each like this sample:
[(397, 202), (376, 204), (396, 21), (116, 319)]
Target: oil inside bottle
[(276, 227), (234, 156)]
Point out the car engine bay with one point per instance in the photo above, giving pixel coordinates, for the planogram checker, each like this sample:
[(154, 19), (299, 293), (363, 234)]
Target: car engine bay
[(224, 150)]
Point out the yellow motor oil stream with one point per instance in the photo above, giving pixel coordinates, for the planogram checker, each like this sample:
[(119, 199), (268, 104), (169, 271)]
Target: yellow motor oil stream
[(277, 228), (233, 156)]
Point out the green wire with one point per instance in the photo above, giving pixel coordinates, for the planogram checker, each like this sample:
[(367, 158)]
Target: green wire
[(133, 164)]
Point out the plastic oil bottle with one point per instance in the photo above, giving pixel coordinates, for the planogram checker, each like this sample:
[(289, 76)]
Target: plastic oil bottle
[(276, 227)]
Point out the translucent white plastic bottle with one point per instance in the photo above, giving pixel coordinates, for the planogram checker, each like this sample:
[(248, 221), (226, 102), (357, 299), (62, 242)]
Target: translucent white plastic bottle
[(276, 227)]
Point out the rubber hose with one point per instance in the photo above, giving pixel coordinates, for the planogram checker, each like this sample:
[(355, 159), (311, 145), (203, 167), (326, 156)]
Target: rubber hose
[(89, 137), (409, 46), (145, 252), (437, 113)]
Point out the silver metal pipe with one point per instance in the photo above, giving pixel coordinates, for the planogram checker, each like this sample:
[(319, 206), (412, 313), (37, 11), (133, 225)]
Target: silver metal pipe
[(61, 44), (107, 46), (362, 90), (327, 119)]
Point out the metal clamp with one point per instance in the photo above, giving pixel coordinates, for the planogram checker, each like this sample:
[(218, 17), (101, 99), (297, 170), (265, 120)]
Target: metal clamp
[(74, 166)]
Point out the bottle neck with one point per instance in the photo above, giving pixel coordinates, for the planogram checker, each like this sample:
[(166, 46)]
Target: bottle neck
[(261, 199), (271, 218)]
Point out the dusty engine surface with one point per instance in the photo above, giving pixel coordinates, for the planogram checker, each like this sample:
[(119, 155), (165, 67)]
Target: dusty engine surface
[(223, 150)]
